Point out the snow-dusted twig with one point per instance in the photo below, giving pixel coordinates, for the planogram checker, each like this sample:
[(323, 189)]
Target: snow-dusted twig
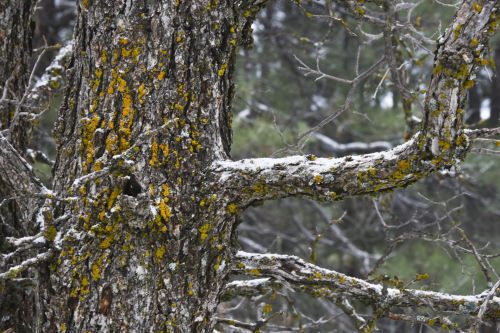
[(13, 272)]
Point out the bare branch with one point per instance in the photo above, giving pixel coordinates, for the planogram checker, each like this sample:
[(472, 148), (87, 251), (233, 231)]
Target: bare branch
[(13, 272), (483, 132)]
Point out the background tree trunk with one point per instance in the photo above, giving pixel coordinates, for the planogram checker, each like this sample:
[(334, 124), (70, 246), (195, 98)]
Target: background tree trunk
[(16, 28)]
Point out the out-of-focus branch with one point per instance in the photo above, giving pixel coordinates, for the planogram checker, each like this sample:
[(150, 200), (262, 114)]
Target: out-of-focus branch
[(352, 148), (483, 132)]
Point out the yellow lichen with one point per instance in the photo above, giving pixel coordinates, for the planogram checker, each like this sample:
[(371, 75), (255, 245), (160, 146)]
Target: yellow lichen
[(160, 252), (96, 271), (161, 76), (222, 70), (104, 56), (204, 229), (111, 142), (98, 166), (90, 126), (232, 208), (165, 211), (165, 190), (420, 277), (153, 161), (125, 52), (106, 243), (267, 309), (141, 91), (122, 85), (404, 165), (164, 149), (312, 157), (113, 196), (136, 52)]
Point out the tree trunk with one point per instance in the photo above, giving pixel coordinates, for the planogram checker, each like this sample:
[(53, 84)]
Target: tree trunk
[(146, 112), (16, 30), (16, 301)]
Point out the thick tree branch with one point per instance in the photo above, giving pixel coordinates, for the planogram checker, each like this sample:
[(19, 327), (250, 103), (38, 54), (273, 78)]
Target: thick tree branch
[(323, 178), (278, 272), (440, 143)]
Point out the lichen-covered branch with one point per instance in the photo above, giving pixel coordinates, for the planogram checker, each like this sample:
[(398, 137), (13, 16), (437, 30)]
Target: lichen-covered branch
[(441, 142), (323, 178), (278, 272)]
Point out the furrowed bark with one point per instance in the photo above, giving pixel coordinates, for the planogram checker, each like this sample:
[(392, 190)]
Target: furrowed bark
[(16, 27), (146, 112), (17, 206), (281, 272), (441, 142)]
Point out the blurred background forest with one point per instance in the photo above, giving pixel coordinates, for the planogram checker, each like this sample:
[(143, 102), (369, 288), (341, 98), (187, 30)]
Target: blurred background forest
[(423, 236)]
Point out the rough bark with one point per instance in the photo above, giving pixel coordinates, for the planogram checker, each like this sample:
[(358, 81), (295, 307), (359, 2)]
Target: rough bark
[(17, 214), (146, 113), (16, 30)]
